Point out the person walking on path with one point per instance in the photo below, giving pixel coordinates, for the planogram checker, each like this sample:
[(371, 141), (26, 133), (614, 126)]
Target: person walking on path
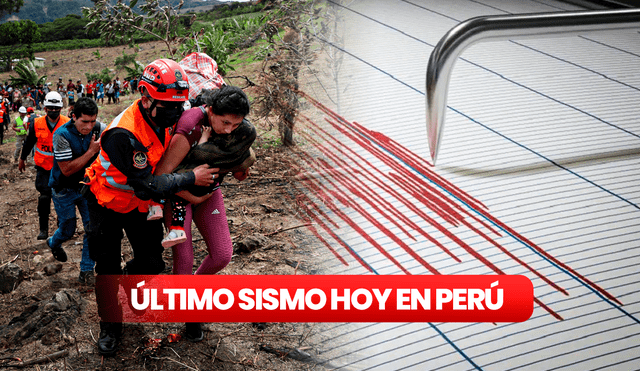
[(228, 147), (75, 146), (121, 183), (20, 126), (41, 136)]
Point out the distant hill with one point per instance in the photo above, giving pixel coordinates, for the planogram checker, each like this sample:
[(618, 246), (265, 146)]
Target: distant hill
[(42, 11)]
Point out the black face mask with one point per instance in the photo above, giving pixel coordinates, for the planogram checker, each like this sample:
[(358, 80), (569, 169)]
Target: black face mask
[(53, 115), (167, 116)]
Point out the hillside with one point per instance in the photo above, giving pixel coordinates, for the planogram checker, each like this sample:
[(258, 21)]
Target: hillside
[(42, 11)]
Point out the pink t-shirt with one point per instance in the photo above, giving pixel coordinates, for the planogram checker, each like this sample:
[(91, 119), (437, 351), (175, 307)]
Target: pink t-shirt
[(190, 125)]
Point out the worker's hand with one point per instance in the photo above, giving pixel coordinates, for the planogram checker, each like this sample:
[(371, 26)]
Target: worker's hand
[(205, 175), (21, 166)]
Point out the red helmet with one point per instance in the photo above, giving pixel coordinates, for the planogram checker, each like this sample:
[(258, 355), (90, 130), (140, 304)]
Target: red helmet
[(30, 110), (165, 80)]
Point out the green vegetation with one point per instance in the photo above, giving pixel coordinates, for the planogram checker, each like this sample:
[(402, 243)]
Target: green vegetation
[(231, 34), (104, 75), (125, 59), (16, 41), (70, 27), (41, 11), (10, 6), (221, 39), (70, 31), (135, 71), (122, 24), (27, 74)]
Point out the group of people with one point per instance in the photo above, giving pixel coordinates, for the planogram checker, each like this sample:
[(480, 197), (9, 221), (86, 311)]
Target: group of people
[(118, 176), (25, 95), (96, 89)]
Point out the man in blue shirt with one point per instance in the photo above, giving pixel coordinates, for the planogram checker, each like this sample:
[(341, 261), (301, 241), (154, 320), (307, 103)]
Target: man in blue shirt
[(100, 91), (75, 145)]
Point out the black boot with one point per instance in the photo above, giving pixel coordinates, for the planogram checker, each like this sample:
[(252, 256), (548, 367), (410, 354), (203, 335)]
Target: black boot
[(194, 332), (59, 254), (44, 208), (43, 235), (109, 337)]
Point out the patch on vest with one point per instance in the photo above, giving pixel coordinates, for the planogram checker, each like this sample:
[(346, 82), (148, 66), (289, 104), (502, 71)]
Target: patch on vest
[(139, 159)]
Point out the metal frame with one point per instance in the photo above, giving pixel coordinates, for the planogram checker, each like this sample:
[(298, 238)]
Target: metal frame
[(504, 27)]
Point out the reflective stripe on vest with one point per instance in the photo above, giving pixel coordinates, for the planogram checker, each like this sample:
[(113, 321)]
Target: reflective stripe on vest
[(107, 183), (106, 165), (43, 156)]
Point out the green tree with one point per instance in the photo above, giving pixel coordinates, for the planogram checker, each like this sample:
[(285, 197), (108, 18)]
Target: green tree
[(27, 74), (69, 27), (10, 6), (121, 23), (16, 41), (135, 71)]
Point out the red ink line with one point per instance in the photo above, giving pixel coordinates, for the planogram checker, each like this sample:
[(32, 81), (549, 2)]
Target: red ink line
[(549, 310), (317, 187), (431, 197), (394, 193), (349, 183), (552, 258), (401, 182), (320, 211), (333, 235), (346, 200), (450, 187), (406, 172)]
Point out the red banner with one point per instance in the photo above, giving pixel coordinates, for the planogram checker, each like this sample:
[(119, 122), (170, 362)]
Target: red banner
[(322, 298)]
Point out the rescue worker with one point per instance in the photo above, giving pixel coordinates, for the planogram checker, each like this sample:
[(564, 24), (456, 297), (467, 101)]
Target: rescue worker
[(41, 135), (20, 126), (121, 184)]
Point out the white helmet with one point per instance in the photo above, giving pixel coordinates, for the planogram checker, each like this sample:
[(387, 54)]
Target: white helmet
[(22, 109), (53, 99)]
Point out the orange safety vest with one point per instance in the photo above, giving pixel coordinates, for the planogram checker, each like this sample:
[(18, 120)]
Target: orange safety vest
[(107, 183), (43, 156)]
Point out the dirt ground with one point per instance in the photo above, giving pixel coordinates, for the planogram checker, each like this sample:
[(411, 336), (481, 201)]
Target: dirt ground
[(263, 206)]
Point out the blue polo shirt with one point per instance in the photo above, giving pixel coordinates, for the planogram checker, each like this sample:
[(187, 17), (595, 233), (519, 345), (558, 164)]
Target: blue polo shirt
[(69, 144)]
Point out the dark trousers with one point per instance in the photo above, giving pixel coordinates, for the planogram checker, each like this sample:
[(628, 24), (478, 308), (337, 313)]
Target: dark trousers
[(44, 200), (106, 230)]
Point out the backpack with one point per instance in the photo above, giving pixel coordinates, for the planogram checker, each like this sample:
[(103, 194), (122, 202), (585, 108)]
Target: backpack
[(202, 71)]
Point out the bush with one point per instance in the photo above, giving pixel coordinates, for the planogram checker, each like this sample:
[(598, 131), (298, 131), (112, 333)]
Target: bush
[(104, 75)]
